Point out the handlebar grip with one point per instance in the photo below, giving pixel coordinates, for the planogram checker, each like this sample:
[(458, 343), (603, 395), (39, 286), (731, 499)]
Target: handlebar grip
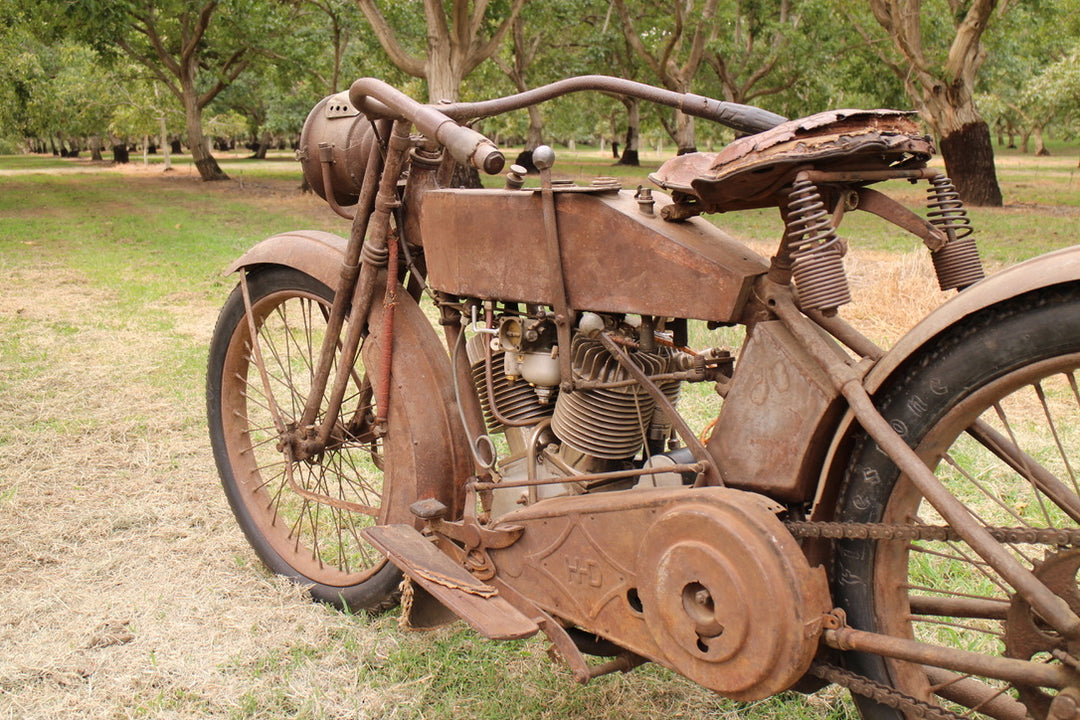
[(744, 118)]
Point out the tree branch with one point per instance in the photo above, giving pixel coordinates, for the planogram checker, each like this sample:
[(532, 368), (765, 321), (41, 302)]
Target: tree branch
[(153, 67), (230, 70), (966, 53), (408, 64), (634, 40), (145, 25), (487, 49), (697, 46), (191, 44), (476, 21), (874, 44)]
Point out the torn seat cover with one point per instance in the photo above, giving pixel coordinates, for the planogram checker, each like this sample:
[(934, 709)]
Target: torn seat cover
[(749, 172)]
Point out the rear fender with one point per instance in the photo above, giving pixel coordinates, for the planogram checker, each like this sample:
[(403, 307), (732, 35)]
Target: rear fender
[(1055, 268)]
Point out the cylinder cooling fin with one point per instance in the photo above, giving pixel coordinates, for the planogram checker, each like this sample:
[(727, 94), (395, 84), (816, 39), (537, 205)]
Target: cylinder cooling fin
[(513, 398), (610, 423)]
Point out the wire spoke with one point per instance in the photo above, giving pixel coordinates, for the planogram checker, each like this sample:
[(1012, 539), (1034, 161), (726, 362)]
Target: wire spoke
[(321, 537)]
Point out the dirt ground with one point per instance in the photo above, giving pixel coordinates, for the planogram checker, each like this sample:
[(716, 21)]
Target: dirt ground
[(128, 590)]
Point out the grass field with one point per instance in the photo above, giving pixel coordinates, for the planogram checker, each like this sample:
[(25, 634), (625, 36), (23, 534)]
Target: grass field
[(127, 589)]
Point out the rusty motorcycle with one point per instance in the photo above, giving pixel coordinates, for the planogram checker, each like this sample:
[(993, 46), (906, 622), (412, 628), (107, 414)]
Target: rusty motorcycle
[(901, 522)]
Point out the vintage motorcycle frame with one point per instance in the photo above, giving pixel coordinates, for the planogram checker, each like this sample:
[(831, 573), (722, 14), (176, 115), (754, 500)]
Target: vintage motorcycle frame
[(497, 571)]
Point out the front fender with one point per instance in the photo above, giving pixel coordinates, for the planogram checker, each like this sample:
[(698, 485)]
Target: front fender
[(430, 443), (1055, 268), (313, 252)]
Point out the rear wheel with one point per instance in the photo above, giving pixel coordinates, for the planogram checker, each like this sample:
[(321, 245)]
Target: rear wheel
[(1014, 367)]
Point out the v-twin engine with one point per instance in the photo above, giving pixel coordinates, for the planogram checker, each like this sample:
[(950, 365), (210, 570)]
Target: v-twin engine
[(604, 423)]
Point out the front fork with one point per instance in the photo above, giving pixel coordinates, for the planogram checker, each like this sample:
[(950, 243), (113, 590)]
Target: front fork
[(368, 253)]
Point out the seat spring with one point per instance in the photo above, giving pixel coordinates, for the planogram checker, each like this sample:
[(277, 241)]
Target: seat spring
[(816, 250), (957, 264)]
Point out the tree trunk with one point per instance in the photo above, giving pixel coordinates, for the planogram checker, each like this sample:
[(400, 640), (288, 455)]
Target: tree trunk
[(95, 148), (261, 147), (165, 146), (633, 124), (1040, 146), (205, 163), (444, 84), (966, 144), (684, 134), (536, 129), (969, 162)]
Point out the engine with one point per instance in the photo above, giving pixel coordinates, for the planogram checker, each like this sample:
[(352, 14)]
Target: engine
[(607, 421)]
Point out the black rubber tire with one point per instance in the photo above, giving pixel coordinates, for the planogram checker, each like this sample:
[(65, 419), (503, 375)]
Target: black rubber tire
[(1000, 352), (373, 585)]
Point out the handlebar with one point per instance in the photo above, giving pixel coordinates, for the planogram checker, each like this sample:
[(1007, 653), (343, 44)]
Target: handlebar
[(376, 98), (743, 118), (468, 147)]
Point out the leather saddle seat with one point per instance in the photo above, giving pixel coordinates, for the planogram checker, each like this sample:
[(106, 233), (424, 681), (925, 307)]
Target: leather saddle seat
[(752, 171)]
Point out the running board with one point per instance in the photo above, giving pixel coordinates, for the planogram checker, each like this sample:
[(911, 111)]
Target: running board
[(475, 602)]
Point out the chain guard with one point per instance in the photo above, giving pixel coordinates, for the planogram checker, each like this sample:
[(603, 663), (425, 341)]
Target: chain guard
[(704, 581)]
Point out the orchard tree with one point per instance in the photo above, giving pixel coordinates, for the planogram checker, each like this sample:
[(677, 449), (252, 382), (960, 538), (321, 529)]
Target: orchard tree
[(338, 18), (1034, 35), (460, 35), (785, 54), (525, 47), (671, 39), (195, 48), (611, 49), (1056, 90), (544, 45), (937, 51), (748, 57), (56, 95)]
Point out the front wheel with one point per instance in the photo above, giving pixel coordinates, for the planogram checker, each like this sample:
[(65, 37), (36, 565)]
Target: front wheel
[(304, 517), (1013, 368)]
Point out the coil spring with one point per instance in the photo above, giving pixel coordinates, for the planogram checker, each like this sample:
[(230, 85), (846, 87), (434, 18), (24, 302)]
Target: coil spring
[(947, 209), (375, 258), (816, 250), (957, 264)]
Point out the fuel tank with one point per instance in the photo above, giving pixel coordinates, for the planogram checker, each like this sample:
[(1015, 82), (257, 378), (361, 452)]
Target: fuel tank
[(616, 257)]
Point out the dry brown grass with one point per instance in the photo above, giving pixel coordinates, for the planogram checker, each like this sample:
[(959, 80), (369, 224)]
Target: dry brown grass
[(127, 589)]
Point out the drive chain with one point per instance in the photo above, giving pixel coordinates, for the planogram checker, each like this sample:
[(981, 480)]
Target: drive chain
[(883, 531), (881, 693)]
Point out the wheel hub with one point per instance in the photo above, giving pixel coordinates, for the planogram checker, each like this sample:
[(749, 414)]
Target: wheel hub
[(1028, 637)]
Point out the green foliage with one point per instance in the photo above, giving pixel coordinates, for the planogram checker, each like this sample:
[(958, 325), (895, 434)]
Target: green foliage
[(66, 68), (1025, 44), (1056, 90)]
